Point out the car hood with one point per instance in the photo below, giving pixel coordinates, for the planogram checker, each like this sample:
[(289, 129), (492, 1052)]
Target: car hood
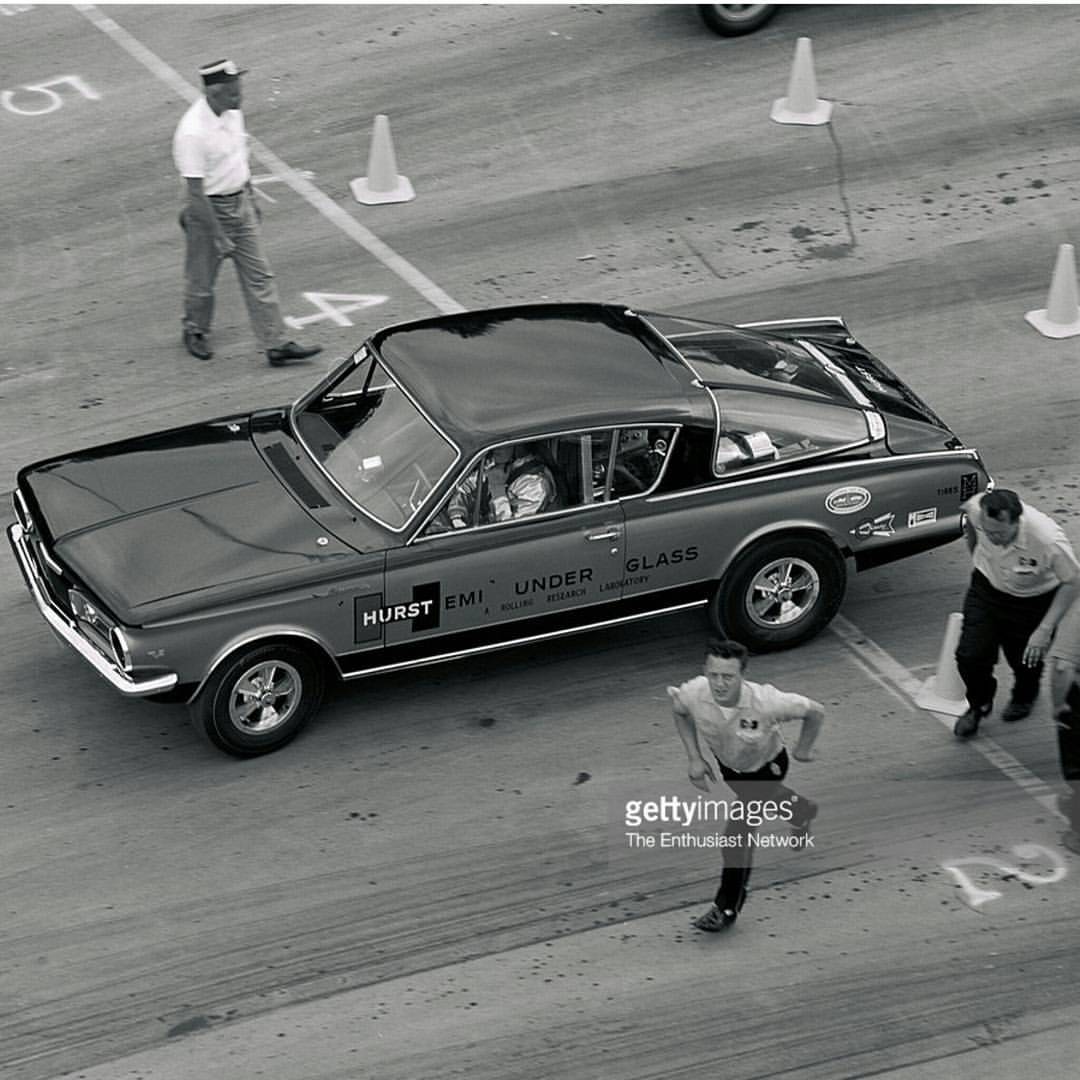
[(163, 525)]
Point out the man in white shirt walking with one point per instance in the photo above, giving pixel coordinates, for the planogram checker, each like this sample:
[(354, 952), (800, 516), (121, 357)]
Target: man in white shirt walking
[(221, 219), (1024, 579), (737, 722)]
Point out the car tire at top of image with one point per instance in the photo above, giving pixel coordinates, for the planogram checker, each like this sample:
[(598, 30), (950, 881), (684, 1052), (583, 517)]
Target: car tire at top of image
[(731, 20)]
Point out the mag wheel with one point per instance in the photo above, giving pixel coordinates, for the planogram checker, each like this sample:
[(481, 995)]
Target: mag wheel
[(259, 699), (779, 593)]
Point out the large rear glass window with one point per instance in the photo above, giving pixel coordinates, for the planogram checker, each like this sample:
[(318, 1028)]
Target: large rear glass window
[(888, 392), (735, 358)]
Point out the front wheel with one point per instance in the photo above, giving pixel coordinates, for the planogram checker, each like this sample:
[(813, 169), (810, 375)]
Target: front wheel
[(779, 592), (731, 20), (259, 700)]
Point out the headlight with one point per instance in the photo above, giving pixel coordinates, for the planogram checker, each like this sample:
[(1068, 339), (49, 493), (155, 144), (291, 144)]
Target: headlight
[(121, 651), (22, 511)]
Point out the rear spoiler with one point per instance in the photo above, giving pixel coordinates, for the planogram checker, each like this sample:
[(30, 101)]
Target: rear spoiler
[(828, 327)]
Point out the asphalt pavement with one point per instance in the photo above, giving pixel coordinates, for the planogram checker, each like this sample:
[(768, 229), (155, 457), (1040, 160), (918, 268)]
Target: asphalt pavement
[(431, 881)]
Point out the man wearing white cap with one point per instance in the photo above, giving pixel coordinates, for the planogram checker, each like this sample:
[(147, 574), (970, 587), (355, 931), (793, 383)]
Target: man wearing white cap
[(221, 220)]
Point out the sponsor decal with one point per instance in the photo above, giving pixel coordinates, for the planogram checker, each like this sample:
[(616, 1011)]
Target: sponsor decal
[(969, 485), (454, 601), (948, 491), (550, 582), (638, 563), (515, 605), (370, 614), (847, 500), (882, 525), (926, 516)]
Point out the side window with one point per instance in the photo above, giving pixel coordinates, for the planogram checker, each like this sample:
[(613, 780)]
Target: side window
[(598, 447), (691, 460), (517, 480), (759, 428), (639, 456), (461, 508)]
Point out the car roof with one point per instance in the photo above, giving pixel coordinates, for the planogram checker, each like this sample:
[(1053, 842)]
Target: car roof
[(539, 368)]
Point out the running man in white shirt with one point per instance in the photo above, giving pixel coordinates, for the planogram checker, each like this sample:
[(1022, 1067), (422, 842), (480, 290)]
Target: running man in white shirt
[(737, 722)]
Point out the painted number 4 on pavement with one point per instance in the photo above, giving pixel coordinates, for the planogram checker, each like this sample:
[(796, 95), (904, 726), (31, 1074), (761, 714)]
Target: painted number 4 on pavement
[(334, 306)]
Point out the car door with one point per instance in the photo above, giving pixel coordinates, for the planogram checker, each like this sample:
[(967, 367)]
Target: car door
[(486, 576), (734, 484)]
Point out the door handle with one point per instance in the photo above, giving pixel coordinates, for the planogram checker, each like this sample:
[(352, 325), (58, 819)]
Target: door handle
[(611, 534)]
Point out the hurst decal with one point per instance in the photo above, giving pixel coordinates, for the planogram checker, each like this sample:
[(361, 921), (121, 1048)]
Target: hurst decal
[(928, 516), (370, 614)]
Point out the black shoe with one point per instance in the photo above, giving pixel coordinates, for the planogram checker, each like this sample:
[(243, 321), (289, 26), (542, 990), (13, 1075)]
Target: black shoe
[(805, 812), (716, 919), (196, 344), (1016, 710), (289, 352), (968, 724)]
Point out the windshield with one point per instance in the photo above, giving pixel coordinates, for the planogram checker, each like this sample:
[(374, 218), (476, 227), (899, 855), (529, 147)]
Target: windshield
[(375, 443)]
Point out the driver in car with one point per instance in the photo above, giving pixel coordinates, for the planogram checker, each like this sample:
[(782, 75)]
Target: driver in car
[(516, 483)]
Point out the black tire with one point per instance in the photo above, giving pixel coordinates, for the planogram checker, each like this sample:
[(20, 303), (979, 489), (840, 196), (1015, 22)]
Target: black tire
[(291, 683), (731, 20), (752, 604)]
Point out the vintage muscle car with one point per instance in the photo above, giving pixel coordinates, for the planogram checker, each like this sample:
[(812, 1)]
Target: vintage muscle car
[(376, 523)]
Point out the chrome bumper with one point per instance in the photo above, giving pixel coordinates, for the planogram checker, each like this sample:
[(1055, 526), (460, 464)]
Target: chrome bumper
[(64, 627)]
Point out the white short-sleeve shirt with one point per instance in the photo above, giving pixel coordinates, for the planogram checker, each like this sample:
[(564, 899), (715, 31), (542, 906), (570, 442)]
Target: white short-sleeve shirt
[(213, 148), (745, 736), (1038, 560)]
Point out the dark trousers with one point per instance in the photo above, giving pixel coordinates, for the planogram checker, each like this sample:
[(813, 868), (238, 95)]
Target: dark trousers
[(1068, 733), (995, 620), (765, 783)]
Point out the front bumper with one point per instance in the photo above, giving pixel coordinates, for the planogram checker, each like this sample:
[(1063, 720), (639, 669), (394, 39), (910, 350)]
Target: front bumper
[(66, 629)]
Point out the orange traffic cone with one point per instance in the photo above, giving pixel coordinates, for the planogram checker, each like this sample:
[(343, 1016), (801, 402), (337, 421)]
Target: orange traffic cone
[(802, 105), (382, 183), (1061, 316), (944, 691)]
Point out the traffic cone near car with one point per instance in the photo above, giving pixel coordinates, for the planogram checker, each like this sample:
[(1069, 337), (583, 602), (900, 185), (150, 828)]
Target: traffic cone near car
[(1061, 316), (802, 105), (944, 691), (382, 183)]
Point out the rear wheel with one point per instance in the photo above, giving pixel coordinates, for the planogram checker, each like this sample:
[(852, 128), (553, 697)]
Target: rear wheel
[(780, 592), (259, 699), (731, 20)]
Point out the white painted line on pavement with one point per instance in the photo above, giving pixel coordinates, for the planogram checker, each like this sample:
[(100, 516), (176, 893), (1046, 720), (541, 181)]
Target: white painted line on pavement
[(294, 178), (902, 684)]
